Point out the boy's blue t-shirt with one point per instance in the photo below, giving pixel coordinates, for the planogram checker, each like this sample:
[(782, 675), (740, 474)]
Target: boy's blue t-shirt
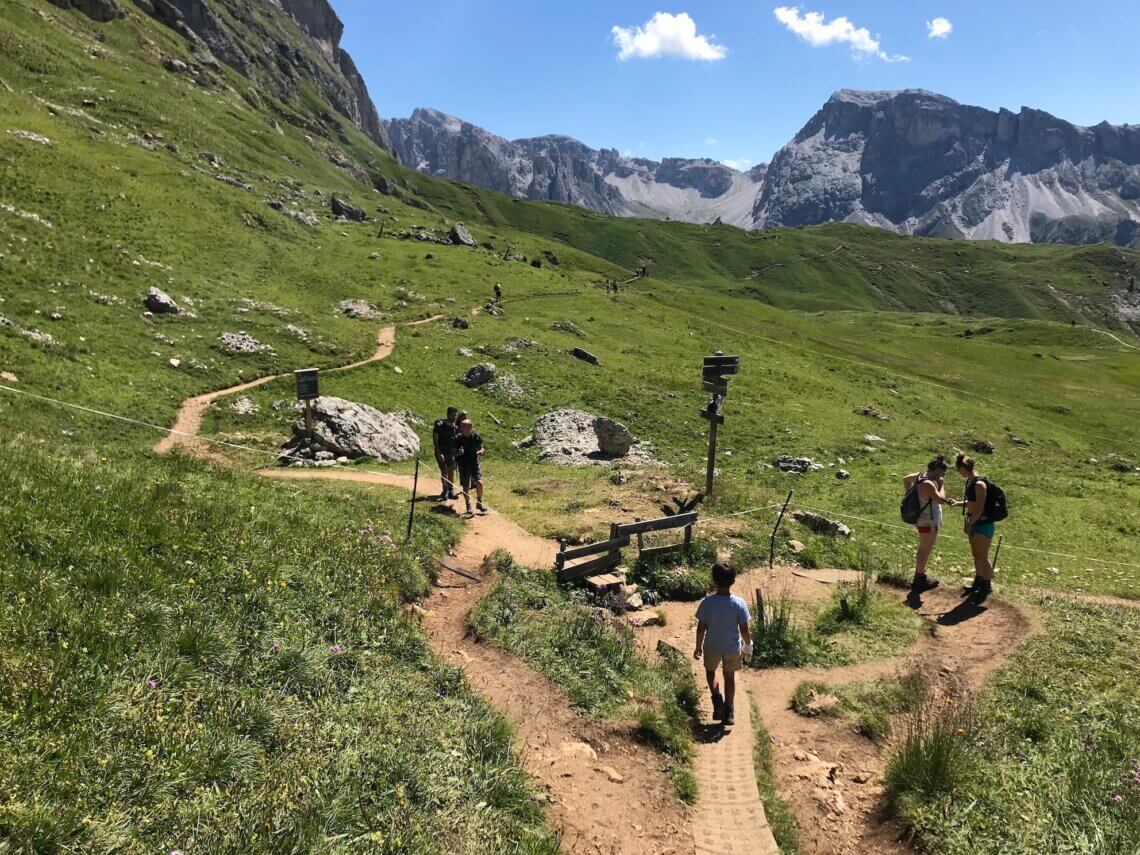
[(723, 616)]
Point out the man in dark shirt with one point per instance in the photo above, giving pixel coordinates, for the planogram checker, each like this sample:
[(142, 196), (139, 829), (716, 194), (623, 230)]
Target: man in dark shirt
[(468, 450), (443, 436)]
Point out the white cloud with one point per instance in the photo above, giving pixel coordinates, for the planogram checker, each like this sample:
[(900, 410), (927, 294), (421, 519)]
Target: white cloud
[(740, 164), (712, 141), (666, 35), (813, 29), (939, 28)]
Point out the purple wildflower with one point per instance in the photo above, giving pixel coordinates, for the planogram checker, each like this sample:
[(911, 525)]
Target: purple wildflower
[(152, 684), (1119, 799), (334, 649)]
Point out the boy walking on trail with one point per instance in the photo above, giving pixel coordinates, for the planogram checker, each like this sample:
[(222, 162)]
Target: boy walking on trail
[(469, 448), (722, 621), (443, 436)]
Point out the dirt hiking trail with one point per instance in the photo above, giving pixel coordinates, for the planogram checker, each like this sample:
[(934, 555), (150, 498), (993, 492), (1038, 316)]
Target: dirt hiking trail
[(607, 793), (830, 774)]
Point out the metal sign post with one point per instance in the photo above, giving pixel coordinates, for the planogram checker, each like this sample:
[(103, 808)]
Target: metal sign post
[(714, 379), (308, 389)]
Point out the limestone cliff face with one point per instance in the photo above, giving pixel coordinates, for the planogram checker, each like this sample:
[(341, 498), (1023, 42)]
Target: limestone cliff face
[(921, 163), (280, 45), (562, 169)]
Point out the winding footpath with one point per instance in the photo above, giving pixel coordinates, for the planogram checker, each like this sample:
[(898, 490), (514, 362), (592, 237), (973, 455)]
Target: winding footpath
[(606, 792)]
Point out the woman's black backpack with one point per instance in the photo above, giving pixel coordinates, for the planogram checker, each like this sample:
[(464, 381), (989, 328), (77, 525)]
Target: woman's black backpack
[(996, 508), (911, 507)]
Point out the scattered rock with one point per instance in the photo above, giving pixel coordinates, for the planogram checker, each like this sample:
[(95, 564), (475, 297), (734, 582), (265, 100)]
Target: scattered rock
[(874, 412), (175, 66), (305, 218), (348, 429), (795, 465), (460, 236), (644, 619), (361, 310), (795, 547), (574, 438), (842, 474), (242, 343), (551, 257), (819, 704), (1017, 440), (579, 749), (516, 344), (160, 303), (374, 256), (31, 137), (508, 386), (584, 355), (983, 446), (341, 208), (244, 406), (821, 524), (614, 776), (479, 374), (174, 362), (870, 437), (1121, 465), (460, 323), (9, 377)]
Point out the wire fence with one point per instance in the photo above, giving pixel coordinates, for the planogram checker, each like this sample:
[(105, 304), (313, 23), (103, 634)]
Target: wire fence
[(840, 515)]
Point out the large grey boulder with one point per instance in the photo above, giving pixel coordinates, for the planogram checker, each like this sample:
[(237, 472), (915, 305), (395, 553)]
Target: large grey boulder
[(576, 438), (349, 429), (614, 438), (584, 355), (460, 236), (159, 302), (361, 310), (479, 374)]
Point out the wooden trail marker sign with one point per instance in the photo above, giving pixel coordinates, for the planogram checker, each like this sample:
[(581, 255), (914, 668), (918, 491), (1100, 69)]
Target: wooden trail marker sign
[(308, 389), (715, 371)]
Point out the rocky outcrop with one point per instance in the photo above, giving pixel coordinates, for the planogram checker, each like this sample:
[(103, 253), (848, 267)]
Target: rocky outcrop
[(97, 10), (920, 163), (347, 429), (287, 46), (479, 374), (460, 236)]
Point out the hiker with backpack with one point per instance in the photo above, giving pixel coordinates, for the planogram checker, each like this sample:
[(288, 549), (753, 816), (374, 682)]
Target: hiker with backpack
[(985, 505), (922, 507)]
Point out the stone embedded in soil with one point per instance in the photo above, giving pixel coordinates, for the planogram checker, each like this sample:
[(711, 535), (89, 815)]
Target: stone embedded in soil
[(579, 749), (821, 524), (159, 302), (477, 375), (612, 774)]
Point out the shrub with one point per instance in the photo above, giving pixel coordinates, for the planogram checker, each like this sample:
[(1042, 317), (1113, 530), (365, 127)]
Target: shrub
[(935, 758), (777, 640), (674, 576)]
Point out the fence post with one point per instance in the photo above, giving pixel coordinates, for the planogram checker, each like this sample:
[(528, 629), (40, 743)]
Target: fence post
[(775, 529), (412, 510), (687, 545), (640, 542), (761, 615)]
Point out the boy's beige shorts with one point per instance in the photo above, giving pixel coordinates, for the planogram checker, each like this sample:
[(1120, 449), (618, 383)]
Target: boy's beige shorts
[(733, 662)]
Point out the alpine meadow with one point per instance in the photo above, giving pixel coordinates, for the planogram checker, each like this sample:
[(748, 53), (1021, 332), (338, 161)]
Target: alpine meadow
[(237, 617)]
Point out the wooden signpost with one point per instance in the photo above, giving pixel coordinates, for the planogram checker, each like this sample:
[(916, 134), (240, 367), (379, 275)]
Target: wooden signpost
[(308, 389), (714, 379)]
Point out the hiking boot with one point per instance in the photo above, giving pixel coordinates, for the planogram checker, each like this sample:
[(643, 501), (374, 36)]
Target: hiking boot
[(968, 590), (479, 506), (923, 583), (729, 714), (982, 592), (718, 706)]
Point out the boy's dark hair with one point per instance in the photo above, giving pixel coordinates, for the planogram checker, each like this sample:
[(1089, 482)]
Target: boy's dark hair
[(723, 574)]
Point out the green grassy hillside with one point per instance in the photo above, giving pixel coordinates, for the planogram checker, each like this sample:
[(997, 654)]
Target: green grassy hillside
[(116, 175)]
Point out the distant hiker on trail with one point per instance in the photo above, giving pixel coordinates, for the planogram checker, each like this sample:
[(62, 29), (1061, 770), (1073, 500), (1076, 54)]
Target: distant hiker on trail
[(984, 505), (922, 507), (469, 448), (722, 620), (443, 436)]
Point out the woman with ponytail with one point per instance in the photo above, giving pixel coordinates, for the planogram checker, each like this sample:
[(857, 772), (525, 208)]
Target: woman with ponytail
[(979, 530), (931, 497)]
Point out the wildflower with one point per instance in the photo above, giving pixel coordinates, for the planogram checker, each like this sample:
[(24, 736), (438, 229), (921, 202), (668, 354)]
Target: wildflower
[(1119, 799), (334, 649), (152, 684), (961, 730), (277, 647), (190, 581)]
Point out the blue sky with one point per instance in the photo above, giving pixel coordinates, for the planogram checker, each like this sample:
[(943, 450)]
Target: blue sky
[(735, 79)]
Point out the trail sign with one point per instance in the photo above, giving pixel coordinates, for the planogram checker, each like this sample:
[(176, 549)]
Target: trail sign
[(308, 386), (709, 371), (710, 415), (719, 386), (721, 360)]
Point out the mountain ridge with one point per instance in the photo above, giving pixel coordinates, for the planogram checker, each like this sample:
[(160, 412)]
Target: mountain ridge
[(911, 160)]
